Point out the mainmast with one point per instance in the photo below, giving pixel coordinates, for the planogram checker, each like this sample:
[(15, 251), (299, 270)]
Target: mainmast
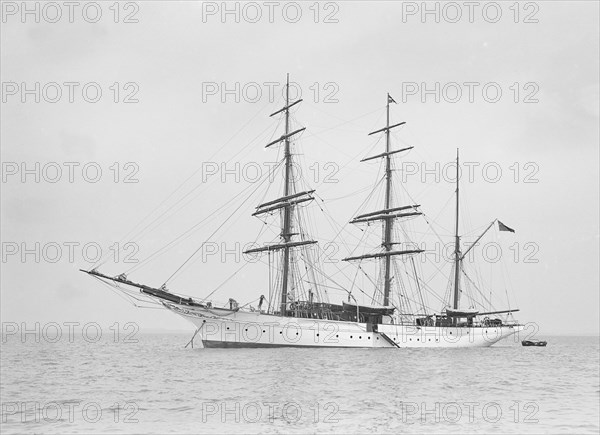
[(389, 212), (388, 222), (457, 256)]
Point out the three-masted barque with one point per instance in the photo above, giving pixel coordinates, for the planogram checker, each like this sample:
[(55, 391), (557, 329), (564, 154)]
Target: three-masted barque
[(303, 316)]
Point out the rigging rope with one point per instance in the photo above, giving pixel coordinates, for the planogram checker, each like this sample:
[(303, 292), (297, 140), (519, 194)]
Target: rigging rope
[(214, 232), (173, 242), (164, 201)]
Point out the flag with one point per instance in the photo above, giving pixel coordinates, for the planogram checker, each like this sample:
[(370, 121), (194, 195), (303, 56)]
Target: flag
[(391, 100), (503, 227)]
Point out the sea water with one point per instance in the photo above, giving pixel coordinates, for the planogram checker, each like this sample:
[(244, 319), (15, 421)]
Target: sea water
[(152, 384)]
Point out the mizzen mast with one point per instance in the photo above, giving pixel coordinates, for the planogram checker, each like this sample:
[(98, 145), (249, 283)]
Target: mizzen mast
[(457, 255)]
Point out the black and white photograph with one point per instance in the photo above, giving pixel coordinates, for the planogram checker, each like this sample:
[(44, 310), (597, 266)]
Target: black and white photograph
[(300, 217)]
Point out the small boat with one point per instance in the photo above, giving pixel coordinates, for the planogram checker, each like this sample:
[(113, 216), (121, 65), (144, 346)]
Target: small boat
[(381, 310), (534, 343), (451, 312)]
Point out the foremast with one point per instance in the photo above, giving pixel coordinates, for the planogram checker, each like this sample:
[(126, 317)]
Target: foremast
[(286, 204), (287, 210), (389, 212)]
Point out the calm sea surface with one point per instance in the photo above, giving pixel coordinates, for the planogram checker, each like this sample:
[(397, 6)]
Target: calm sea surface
[(157, 386)]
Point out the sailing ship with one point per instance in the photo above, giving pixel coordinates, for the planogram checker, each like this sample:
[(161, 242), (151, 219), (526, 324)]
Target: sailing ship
[(302, 315)]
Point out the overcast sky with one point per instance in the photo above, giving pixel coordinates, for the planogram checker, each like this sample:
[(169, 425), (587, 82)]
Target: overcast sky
[(178, 60)]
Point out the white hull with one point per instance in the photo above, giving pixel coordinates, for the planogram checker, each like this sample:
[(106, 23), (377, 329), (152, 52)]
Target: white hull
[(226, 328)]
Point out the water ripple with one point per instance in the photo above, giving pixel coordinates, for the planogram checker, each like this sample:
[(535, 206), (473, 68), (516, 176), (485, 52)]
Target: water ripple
[(156, 386)]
